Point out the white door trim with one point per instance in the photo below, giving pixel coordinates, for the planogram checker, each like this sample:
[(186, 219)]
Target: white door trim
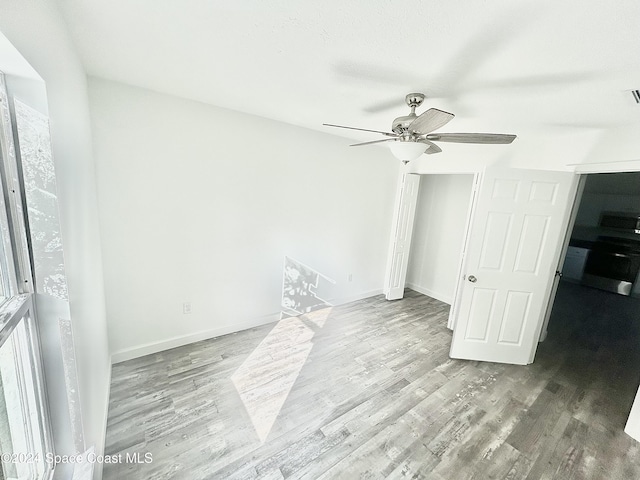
[(455, 304), (563, 253), (607, 167), (632, 427)]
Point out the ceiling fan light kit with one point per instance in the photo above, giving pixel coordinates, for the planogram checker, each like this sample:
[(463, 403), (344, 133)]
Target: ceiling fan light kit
[(407, 151), (411, 135)]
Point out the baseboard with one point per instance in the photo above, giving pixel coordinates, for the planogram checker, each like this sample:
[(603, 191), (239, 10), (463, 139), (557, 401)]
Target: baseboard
[(355, 298), (99, 446), (430, 293), (155, 347)]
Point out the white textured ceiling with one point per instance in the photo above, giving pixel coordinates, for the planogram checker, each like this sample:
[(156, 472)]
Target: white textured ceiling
[(500, 65)]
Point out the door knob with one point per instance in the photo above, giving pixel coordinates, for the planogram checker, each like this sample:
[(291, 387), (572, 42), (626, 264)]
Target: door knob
[(472, 279)]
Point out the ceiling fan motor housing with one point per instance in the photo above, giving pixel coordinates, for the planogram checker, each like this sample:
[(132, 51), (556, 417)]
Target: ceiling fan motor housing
[(401, 124)]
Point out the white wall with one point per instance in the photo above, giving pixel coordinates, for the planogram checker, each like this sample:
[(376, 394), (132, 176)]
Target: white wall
[(615, 146), (39, 33), (200, 204), (438, 235)]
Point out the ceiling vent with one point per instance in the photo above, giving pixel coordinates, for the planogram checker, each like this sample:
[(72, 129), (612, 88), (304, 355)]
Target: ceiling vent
[(636, 95)]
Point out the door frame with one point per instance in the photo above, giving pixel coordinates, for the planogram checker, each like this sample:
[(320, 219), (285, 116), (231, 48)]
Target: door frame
[(453, 311), (632, 427), (563, 253), (477, 176), (581, 170), (554, 206)]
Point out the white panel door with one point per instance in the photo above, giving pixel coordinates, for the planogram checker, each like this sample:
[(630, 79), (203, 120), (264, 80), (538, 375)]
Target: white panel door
[(401, 242), (515, 240)]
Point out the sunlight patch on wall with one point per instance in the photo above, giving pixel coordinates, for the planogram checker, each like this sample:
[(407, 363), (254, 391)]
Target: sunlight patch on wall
[(299, 286), (265, 379)]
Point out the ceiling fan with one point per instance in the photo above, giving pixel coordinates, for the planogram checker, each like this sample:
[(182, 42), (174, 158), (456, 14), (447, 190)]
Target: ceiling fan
[(411, 135)]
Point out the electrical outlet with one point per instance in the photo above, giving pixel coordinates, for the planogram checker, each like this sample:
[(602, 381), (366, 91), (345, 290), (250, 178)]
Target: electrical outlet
[(351, 277), (186, 308)]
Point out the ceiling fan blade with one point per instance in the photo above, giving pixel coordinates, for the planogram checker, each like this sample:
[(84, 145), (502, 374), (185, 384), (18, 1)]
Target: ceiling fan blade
[(389, 134), (433, 148), (493, 138), (375, 141), (430, 120)]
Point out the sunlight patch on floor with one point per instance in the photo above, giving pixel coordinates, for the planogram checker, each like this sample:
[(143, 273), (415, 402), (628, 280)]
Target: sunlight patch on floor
[(267, 376)]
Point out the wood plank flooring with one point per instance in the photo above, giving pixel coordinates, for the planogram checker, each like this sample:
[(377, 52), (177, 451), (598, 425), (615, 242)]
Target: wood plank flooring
[(367, 391)]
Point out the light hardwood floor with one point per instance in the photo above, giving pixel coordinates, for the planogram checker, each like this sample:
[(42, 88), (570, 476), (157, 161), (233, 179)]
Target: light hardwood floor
[(367, 390)]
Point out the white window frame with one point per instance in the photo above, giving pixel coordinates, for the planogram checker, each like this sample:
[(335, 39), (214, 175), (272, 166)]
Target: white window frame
[(18, 311), (17, 302)]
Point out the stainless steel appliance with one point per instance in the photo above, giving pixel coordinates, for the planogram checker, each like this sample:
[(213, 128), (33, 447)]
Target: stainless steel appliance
[(613, 263), (625, 222)]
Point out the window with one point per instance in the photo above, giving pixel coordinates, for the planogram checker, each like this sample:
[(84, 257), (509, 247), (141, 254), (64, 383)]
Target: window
[(25, 434), (23, 441)]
